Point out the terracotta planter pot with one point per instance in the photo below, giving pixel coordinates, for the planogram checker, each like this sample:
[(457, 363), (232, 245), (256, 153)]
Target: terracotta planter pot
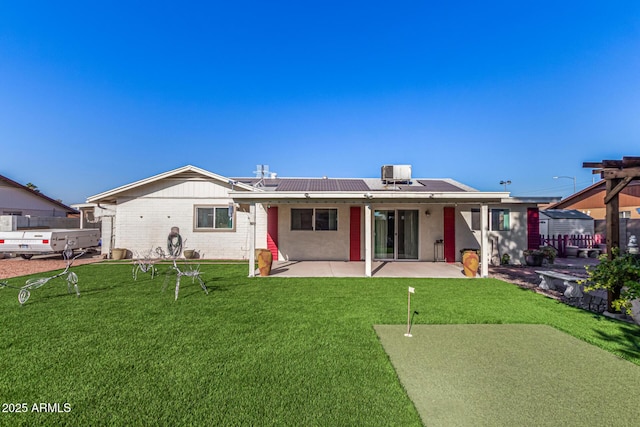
[(470, 262), (265, 260)]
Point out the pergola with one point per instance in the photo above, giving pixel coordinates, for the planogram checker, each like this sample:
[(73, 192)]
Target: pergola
[(617, 174)]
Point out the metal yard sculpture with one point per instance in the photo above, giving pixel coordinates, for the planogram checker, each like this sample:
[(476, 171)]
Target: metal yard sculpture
[(174, 247), (145, 264), (35, 283), (191, 271), (174, 242)]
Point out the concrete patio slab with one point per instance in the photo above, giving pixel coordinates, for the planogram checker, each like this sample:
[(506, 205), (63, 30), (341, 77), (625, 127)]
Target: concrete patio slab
[(356, 269)]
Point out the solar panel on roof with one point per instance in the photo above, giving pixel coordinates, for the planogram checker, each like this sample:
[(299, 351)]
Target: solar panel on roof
[(353, 185), (438, 185), (321, 184)]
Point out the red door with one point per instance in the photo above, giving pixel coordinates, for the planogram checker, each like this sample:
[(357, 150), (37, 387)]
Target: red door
[(272, 231), (354, 233), (533, 228), (450, 234)]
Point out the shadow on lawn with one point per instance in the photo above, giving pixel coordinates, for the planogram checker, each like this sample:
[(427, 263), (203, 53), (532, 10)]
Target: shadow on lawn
[(213, 284), (185, 292), (195, 292), (63, 293), (628, 342)]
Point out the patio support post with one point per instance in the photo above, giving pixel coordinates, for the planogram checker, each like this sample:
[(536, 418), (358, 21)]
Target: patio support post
[(484, 240), (368, 239), (252, 240)]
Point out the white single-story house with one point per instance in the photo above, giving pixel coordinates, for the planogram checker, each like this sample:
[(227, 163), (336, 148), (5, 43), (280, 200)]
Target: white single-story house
[(394, 217)]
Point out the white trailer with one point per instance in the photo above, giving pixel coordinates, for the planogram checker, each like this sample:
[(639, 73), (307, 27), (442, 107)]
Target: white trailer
[(27, 243)]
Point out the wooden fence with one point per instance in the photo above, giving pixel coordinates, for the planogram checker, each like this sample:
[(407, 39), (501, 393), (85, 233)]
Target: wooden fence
[(560, 242)]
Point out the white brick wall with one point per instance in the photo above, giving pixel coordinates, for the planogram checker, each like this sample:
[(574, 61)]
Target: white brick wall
[(145, 217)]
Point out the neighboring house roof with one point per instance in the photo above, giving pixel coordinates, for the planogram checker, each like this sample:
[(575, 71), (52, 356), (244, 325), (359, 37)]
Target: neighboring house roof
[(12, 183), (111, 195), (632, 189), (565, 214)]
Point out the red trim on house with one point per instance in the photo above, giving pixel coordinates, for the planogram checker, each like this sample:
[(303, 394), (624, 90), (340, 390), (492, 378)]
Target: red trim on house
[(272, 231), (449, 234), (533, 228), (355, 222)]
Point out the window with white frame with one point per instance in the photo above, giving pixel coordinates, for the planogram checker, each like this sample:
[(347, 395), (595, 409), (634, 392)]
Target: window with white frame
[(209, 218), (500, 219), (314, 219)]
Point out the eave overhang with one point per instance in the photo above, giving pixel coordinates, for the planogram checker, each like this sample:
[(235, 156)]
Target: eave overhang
[(383, 197)]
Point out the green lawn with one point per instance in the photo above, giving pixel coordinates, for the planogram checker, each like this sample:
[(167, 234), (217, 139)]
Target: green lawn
[(262, 351)]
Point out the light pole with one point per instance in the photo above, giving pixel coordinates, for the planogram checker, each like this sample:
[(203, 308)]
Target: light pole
[(570, 177), (505, 183)]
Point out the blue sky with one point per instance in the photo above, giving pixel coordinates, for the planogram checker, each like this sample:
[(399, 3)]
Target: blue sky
[(94, 95)]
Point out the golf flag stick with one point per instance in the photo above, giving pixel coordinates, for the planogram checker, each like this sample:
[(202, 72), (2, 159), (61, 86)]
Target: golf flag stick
[(411, 291)]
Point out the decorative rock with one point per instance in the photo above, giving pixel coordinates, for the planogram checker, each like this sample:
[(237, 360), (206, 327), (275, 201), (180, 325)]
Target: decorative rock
[(632, 246)]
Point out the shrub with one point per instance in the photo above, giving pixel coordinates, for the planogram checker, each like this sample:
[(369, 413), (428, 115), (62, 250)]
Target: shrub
[(534, 252), (621, 274), (550, 253)]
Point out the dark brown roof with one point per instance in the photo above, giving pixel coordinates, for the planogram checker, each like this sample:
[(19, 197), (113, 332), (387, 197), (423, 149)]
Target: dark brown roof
[(322, 184), (12, 183)]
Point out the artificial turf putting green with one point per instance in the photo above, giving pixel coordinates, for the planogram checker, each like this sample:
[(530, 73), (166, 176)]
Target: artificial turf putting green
[(507, 375)]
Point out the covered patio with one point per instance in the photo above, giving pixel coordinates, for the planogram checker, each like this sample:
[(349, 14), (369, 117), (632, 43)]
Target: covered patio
[(356, 268), (356, 228)]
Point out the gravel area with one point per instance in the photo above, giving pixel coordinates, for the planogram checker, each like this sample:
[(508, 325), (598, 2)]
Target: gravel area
[(526, 277), (13, 267)]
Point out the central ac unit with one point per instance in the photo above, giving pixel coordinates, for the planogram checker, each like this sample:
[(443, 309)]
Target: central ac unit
[(396, 173)]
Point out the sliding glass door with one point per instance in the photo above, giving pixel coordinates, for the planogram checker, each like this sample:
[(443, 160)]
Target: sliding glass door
[(384, 234), (395, 234), (407, 241)]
